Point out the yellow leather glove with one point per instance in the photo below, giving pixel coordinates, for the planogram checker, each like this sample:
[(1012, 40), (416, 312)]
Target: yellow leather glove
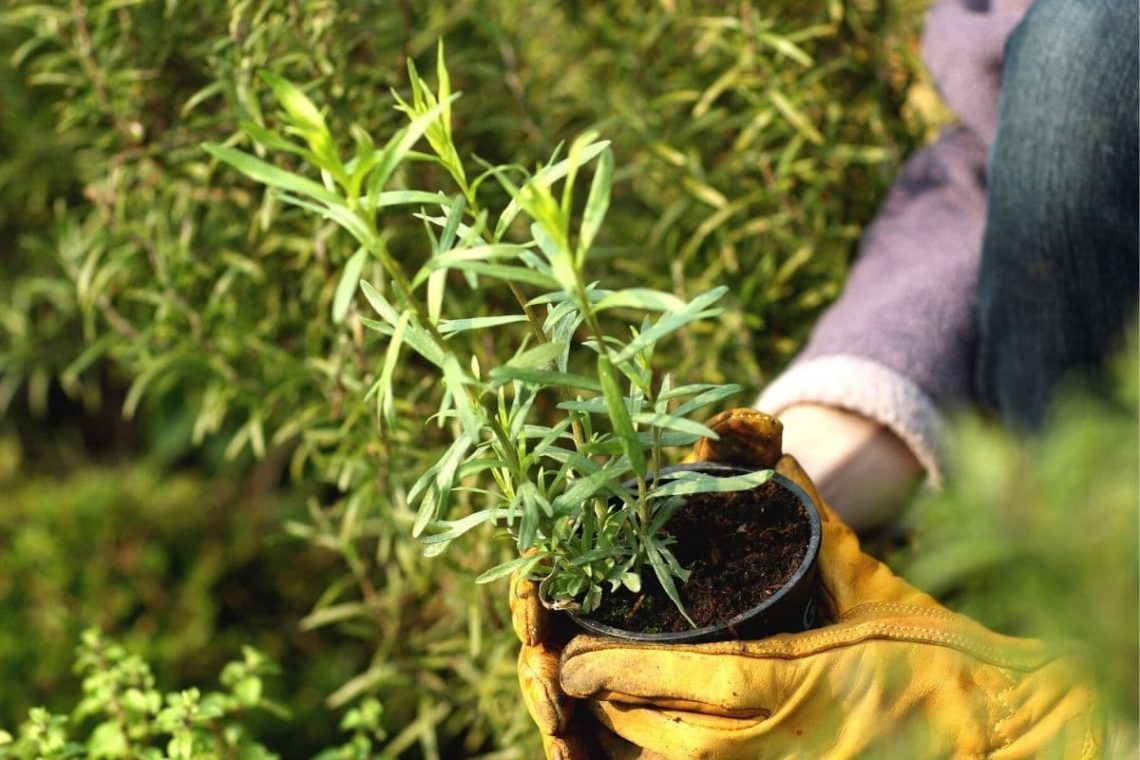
[(895, 675)]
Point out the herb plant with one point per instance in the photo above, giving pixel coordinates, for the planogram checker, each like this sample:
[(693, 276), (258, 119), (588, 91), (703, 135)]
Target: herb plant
[(559, 487)]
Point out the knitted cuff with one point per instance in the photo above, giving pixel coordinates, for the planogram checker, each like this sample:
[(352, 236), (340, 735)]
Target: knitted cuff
[(870, 389)]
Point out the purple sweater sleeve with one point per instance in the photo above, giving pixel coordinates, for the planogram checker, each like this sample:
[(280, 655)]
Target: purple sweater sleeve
[(898, 344)]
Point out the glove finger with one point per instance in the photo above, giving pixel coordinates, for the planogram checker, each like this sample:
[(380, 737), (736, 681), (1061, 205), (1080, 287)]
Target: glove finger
[(565, 748), (548, 706), (528, 616), (652, 732), (711, 679), (748, 437)]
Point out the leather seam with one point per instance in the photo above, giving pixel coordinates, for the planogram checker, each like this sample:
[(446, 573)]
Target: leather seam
[(915, 634), (1001, 700)]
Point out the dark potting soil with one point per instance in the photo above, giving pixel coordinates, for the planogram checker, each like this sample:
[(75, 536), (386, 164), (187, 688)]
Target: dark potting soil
[(739, 547)]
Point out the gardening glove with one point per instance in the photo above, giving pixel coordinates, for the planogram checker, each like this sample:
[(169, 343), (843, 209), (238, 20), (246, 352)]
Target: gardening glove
[(568, 731), (894, 675)]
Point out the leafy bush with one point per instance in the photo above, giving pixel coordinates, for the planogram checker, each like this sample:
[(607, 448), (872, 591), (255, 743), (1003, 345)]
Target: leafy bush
[(1037, 537), (752, 143), (185, 573)]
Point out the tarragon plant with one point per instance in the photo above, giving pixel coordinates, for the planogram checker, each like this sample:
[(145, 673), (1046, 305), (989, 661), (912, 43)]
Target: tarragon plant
[(558, 489)]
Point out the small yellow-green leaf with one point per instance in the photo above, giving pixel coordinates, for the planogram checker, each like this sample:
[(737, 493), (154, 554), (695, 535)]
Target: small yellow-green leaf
[(619, 415), (346, 288)]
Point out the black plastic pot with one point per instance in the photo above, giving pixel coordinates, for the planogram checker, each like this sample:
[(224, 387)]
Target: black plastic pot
[(791, 609)]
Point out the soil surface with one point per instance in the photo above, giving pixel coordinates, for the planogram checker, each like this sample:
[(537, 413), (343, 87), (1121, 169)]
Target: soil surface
[(740, 548)]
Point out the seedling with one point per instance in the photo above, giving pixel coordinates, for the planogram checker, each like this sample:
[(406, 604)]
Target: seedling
[(557, 489)]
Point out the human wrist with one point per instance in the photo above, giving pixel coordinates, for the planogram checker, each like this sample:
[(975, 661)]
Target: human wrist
[(861, 468)]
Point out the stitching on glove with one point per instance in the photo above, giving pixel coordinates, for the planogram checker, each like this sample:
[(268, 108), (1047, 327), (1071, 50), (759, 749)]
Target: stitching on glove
[(860, 632), (1001, 700), (869, 607)]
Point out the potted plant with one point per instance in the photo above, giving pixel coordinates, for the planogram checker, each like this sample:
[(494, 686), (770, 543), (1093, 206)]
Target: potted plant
[(587, 500)]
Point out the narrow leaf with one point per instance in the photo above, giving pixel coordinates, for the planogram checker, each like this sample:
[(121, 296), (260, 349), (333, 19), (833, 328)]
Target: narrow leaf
[(545, 378), (268, 174), (685, 483), (619, 415), (670, 422), (597, 204), (349, 280), (547, 177), (641, 298), (665, 578), (670, 322), (452, 326), (521, 564)]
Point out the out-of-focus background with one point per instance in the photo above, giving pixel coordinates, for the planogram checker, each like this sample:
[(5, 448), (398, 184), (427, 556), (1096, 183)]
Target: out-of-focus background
[(189, 463)]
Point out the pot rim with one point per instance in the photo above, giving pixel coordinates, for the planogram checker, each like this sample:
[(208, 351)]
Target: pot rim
[(709, 631)]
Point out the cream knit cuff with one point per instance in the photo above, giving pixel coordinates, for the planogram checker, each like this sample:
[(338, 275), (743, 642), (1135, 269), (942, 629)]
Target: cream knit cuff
[(870, 389)]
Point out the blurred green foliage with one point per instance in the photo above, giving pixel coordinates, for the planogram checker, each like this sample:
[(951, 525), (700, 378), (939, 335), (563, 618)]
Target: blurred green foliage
[(164, 318), (1038, 537), (123, 714)]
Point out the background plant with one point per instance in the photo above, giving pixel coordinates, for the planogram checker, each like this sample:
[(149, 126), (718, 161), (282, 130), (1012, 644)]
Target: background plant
[(754, 142)]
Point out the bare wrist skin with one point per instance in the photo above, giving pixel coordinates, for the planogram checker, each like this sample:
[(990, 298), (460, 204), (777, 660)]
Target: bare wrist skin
[(861, 468)]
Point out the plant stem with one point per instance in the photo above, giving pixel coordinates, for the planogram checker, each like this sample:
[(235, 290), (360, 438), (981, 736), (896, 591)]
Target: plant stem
[(404, 288)]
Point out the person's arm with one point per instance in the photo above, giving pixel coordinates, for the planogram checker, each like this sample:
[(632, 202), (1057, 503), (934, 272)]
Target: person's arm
[(864, 401), (896, 348)]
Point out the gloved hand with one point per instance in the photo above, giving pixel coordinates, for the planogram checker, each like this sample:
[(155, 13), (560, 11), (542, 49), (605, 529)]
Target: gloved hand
[(896, 674), (568, 731)]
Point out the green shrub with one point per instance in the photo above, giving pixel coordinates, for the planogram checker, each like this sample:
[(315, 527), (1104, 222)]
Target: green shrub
[(1037, 537), (184, 572)]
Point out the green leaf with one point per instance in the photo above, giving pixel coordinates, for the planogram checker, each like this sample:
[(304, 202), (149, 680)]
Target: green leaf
[(641, 298), (687, 482), (597, 204), (349, 280), (591, 406), (451, 326), (521, 565), (669, 323), (397, 148), (453, 529), (302, 111), (795, 117), (711, 396), (507, 273), (452, 258), (787, 47), (665, 577), (559, 257), (270, 139), (440, 485), (619, 415), (107, 740), (248, 691), (437, 283), (546, 177), (379, 303), (385, 404), (268, 174), (539, 356), (406, 198), (582, 489), (670, 422), (417, 337), (544, 378), (457, 380)]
